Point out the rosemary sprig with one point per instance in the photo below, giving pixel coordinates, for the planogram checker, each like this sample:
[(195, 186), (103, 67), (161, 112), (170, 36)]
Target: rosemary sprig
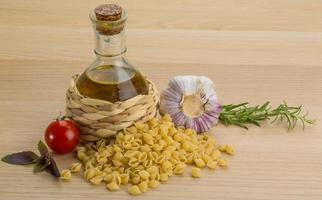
[(242, 114)]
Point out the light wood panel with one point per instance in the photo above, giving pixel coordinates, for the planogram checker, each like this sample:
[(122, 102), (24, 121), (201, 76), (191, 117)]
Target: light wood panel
[(272, 15), (254, 50)]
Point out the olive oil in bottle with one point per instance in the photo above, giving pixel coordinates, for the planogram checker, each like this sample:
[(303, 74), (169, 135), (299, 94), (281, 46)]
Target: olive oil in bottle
[(112, 83), (110, 77)]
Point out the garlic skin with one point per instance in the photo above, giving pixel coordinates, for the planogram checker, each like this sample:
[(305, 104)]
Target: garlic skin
[(192, 102)]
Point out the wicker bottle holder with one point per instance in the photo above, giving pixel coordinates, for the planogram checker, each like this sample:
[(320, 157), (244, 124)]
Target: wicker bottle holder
[(100, 119)]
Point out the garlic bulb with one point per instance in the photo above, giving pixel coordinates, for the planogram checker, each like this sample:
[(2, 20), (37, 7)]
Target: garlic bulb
[(192, 102)]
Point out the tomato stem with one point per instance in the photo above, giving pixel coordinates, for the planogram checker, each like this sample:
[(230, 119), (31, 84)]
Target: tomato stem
[(61, 117)]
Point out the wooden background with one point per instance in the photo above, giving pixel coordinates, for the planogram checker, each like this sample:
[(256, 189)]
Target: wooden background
[(254, 50)]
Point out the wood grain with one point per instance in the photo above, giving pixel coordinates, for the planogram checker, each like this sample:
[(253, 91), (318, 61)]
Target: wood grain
[(254, 50)]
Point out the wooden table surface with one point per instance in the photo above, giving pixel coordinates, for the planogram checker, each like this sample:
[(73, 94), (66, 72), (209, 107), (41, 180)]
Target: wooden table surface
[(255, 50)]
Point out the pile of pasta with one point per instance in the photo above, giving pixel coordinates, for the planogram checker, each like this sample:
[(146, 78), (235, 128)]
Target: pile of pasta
[(146, 154)]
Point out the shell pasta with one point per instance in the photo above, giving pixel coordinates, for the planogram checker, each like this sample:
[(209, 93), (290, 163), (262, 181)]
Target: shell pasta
[(147, 154)]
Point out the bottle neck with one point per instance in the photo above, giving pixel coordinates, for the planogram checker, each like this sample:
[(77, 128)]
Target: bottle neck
[(110, 45)]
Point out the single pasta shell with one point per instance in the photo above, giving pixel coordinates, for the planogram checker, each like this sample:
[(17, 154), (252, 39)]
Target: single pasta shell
[(134, 190)]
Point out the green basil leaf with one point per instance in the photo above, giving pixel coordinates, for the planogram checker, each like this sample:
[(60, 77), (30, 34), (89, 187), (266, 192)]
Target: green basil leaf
[(43, 150), (21, 158), (41, 164)]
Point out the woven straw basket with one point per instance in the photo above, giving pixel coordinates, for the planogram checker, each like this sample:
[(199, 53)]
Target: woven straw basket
[(99, 119)]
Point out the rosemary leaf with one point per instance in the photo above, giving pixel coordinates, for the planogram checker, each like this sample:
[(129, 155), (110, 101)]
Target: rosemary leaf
[(243, 114)]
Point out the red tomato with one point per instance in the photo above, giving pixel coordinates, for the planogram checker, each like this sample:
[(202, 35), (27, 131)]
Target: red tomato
[(62, 136)]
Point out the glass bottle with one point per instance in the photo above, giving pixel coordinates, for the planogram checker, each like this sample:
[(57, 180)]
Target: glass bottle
[(111, 77)]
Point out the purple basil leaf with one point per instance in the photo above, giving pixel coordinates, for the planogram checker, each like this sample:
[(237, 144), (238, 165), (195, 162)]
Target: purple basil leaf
[(43, 150), (52, 168), (21, 158)]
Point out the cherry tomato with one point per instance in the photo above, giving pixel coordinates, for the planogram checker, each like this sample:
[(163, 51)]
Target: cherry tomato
[(62, 135)]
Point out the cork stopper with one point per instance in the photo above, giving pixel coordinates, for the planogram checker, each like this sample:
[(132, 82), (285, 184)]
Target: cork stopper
[(108, 12), (109, 16)]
